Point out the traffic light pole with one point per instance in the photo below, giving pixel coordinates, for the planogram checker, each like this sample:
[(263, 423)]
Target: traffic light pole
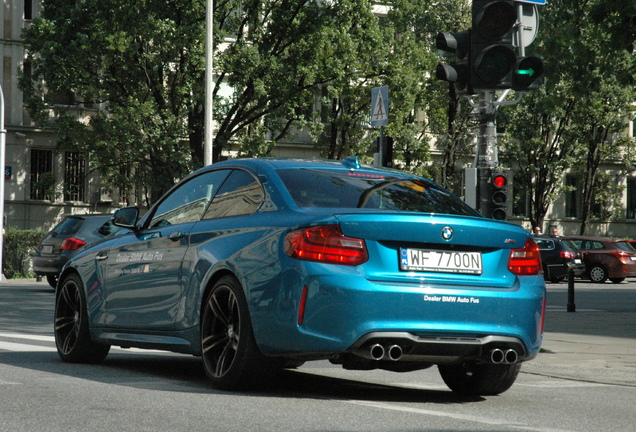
[(487, 145), (489, 57), (487, 160), (487, 149)]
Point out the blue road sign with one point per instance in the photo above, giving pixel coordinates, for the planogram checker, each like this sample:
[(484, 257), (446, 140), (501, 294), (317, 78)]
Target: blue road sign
[(537, 2), (380, 106)]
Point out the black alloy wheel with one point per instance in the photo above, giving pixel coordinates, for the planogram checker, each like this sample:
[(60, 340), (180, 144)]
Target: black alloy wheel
[(231, 358), (72, 337)]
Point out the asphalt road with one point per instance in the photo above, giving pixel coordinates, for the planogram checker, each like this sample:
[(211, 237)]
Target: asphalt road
[(576, 384)]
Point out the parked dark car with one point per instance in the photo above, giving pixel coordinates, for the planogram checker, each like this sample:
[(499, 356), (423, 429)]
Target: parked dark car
[(65, 241), (557, 256), (605, 258), (261, 264)]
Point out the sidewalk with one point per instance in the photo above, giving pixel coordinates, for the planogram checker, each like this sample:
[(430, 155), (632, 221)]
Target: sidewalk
[(588, 346)]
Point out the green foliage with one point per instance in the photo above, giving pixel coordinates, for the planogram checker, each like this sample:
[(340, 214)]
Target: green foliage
[(18, 246), (136, 69), (574, 119)]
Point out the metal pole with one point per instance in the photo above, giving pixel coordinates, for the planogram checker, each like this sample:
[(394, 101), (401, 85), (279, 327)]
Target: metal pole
[(571, 305), (487, 153), (208, 142), (3, 137)]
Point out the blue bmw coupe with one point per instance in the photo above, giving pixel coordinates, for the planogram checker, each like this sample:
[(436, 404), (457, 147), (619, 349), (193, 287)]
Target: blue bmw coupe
[(261, 264)]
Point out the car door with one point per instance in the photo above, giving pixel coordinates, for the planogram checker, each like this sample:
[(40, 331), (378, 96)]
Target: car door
[(144, 268)]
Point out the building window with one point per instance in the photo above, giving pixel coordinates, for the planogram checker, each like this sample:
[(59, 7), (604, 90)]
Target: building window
[(28, 9), (74, 176), (631, 198), (42, 181), (571, 197)]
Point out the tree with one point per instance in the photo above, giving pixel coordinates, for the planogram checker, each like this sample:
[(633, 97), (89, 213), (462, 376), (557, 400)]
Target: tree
[(136, 70), (424, 113), (283, 53), (578, 113)]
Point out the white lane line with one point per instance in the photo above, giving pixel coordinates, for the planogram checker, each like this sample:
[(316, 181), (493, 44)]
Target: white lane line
[(18, 347), (27, 337), (456, 416)]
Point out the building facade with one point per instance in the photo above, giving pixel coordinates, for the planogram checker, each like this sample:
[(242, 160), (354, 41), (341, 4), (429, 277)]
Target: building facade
[(42, 183)]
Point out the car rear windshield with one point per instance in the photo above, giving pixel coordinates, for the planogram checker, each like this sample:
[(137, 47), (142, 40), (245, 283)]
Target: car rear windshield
[(370, 190), (68, 226), (624, 246)]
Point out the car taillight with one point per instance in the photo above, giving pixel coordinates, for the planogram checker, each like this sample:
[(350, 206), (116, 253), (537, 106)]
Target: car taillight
[(623, 257), (326, 244), (72, 243), (525, 261), (567, 254)]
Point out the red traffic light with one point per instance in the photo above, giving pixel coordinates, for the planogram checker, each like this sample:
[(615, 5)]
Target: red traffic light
[(499, 181)]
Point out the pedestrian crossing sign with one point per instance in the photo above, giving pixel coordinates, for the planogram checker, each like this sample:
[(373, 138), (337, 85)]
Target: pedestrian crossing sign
[(379, 106)]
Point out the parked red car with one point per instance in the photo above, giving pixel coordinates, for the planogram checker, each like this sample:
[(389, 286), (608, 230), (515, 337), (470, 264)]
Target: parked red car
[(606, 259)]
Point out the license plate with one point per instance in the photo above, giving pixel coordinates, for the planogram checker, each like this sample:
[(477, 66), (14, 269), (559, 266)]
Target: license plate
[(47, 249), (440, 261), (577, 261)]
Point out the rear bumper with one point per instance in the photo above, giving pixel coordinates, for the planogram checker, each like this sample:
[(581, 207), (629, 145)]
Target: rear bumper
[(346, 314), (48, 266)]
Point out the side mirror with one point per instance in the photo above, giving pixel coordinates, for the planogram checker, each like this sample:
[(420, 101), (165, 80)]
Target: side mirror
[(126, 217)]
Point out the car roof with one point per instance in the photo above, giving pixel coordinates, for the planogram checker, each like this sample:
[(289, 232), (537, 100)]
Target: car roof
[(266, 163), (590, 238)]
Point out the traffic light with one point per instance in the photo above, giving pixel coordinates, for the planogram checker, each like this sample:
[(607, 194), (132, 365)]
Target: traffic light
[(492, 54), (499, 195), (458, 71), (526, 73)]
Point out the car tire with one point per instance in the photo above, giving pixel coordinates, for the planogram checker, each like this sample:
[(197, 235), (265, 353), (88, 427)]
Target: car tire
[(52, 280), (72, 337), (231, 358), (474, 379), (598, 274), (617, 280)]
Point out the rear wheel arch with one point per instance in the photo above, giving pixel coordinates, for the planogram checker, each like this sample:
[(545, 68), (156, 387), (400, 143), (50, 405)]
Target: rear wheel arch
[(211, 282)]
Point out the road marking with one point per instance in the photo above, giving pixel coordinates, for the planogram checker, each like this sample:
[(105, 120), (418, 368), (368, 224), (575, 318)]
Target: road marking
[(564, 309), (28, 337), (19, 347), (455, 416), (559, 383)]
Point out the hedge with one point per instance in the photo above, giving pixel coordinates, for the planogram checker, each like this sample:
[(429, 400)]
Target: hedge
[(19, 246)]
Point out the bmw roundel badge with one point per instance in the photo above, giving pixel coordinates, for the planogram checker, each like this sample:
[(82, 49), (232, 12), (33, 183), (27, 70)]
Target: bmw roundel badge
[(447, 233)]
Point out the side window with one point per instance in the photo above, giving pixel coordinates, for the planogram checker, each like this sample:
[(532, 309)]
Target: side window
[(241, 194), (188, 202), (598, 245)]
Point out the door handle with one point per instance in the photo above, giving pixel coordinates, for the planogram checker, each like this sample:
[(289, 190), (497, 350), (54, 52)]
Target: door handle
[(177, 235), (101, 256)]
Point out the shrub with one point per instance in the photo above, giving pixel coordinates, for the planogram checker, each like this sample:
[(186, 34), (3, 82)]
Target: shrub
[(19, 245)]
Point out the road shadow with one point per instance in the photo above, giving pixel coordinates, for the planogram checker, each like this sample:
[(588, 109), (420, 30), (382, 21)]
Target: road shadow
[(179, 373)]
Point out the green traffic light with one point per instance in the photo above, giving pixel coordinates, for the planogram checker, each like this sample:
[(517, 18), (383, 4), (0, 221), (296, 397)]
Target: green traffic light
[(529, 72)]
